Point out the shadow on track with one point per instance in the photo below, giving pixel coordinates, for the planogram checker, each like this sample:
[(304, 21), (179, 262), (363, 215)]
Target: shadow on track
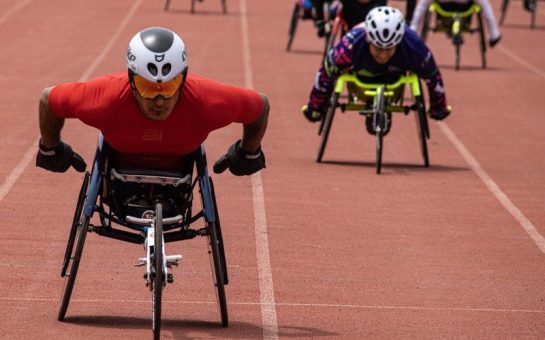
[(181, 328), (524, 27), (398, 167), (310, 52), (471, 68)]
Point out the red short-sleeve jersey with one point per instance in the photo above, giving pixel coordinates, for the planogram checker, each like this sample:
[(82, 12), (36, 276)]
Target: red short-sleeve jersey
[(107, 103)]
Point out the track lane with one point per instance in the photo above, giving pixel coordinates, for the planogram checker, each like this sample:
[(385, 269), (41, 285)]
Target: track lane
[(421, 253)]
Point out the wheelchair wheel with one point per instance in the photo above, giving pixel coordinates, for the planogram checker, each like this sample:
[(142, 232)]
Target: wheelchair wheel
[(220, 237), (293, 24), (423, 129), (327, 121), (158, 275), (482, 40), (75, 222), (192, 10), (504, 5), (217, 271), (379, 120), (333, 37), (73, 264)]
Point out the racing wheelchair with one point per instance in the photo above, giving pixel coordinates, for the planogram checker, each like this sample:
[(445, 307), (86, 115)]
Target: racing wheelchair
[(149, 208), (455, 22), (531, 6), (192, 10), (298, 15), (377, 102)]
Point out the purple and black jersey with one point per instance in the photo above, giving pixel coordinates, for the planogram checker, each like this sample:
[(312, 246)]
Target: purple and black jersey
[(352, 55)]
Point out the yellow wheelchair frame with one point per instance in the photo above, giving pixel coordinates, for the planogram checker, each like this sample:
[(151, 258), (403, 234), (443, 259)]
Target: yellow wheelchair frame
[(455, 23), (379, 101)]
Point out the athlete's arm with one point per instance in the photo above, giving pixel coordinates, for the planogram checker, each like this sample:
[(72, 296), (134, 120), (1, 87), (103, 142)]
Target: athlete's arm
[(50, 124), (338, 60), (53, 154), (419, 13), (253, 132)]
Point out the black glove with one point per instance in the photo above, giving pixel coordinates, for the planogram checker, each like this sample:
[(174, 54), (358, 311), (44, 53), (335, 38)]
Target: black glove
[(59, 158), (312, 114), (439, 109), (240, 162), (439, 112)]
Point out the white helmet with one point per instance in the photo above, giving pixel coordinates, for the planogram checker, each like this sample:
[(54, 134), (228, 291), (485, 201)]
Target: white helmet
[(385, 26), (156, 54)]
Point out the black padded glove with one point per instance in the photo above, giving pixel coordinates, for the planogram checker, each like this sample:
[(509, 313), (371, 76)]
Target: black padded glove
[(439, 112), (313, 115), (239, 162), (59, 158)]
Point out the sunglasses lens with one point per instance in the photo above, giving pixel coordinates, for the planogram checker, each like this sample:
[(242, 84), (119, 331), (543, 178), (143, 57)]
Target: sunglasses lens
[(150, 90)]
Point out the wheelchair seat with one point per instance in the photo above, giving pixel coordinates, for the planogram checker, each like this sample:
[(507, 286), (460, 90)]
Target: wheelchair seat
[(134, 191)]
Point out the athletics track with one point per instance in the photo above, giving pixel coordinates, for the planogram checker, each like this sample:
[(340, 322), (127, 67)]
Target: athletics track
[(455, 251)]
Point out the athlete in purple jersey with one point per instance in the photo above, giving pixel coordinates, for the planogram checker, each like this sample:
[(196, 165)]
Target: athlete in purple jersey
[(380, 51)]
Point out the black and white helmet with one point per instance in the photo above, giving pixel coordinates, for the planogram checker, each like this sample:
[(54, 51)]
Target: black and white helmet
[(156, 54), (385, 26)]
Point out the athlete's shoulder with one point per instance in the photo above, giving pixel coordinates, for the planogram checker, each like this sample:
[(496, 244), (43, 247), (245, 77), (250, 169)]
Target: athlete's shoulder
[(411, 39)]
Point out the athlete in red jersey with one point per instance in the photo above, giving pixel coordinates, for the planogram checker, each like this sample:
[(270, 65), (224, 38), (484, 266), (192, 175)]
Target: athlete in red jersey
[(156, 109)]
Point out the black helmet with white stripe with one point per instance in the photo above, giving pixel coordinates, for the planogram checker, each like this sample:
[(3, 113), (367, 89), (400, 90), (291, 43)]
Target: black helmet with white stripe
[(385, 26), (156, 54)]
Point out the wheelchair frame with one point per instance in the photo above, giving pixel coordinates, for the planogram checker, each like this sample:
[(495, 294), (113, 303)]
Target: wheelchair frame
[(457, 28), (192, 10), (384, 103), (150, 230)]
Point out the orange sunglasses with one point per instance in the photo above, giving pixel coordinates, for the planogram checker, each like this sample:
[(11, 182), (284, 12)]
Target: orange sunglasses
[(149, 90)]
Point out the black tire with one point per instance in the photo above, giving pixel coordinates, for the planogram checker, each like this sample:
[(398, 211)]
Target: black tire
[(73, 265), (457, 47), (158, 274), (293, 25), (192, 10), (380, 119), (504, 5), (75, 222), (482, 40), (423, 129), (533, 18), (328, 120), (217, 272), (220, 237), (332, 38)]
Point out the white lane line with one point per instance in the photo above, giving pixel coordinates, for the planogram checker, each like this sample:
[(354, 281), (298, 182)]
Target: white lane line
[(494, 188), (521, 61), (31, 151), (311, 305), (14, 9), (266, 286), (18, 170)]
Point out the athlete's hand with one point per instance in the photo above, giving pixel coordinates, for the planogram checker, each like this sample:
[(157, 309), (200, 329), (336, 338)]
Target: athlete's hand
[(311, 113), (439, 112), (240, 162), (59, 158)]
